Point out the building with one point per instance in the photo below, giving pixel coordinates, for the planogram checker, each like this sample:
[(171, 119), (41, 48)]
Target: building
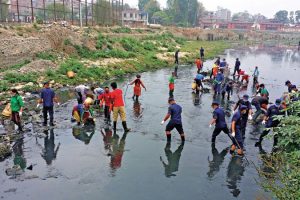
[(134, 18), (223, 14)]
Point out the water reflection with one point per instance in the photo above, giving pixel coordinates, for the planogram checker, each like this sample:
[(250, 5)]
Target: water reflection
[(118, 146), (137, 110), (217, 161), (49, 151), (107, 139), (196, 98), (19, 158), (173, 159), (84, 134), (235, 171)]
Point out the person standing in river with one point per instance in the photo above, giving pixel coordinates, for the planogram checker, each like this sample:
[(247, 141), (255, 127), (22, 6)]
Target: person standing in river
[(174, 112), (137, 90), (105, 98), (177, 57), (118, 107), (172, 85), (16, 105), (199, 65), (237, 67), (48, 98), (219, 121)]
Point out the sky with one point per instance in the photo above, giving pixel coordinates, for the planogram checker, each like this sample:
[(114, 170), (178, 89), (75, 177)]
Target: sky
[(264, 7)]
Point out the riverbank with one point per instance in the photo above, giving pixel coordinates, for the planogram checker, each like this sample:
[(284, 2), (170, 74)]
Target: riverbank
[(97, 55)]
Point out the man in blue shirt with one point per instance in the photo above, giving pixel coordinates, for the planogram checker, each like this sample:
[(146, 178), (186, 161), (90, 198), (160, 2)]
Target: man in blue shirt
[(218, 82), (223, 64), (237, 67), (270, 122), (236, 127), (174, 112), (219, 121), (228, 88), (255, 75), (48, 98)]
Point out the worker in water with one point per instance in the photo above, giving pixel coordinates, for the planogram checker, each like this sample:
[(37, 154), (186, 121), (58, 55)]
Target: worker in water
[(223, 65), (177, 57), (174, 112), (172, 85), (219, 121), (218, 83), (270, 120), (137, 90), (236, 126), (198, 79), (245, 77), (244, 102), (255, 75), (199, 65), (237, 67), (227, 89), (118, 106), (105, 99)]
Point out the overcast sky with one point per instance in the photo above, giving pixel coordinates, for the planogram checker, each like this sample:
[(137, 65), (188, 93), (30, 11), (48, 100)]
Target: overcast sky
[(265, 7)]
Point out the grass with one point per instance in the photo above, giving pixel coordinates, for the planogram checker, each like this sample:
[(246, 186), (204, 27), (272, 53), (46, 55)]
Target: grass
[(46, 56), (17, 66)]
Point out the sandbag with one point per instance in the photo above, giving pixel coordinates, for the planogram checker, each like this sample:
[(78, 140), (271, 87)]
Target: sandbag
[(7, 111), (70, 74), (194, 86)]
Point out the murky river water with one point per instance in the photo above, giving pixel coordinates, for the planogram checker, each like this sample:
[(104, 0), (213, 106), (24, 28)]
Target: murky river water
[(69, 164)]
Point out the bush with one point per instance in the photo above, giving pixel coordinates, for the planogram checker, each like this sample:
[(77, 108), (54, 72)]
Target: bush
[(130, 44), (149, 46), (122, 30), (101, 40), (13, 77), (46, 56), (4, 86), (67, 42), (18, 66), (70, 65)]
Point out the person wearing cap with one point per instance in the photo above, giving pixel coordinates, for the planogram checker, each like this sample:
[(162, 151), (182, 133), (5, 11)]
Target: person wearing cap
[(244, 102), (118, 106), (270, 121), (137, 90), (174, 112), (219, 121), (228, 88), (237, 67), (81, 91), (48, 98), (237, 128), (255, 75)]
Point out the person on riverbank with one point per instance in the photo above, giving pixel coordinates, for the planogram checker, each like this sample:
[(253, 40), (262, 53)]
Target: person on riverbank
[(258, 102), (237, 67), (199, 65), (48, 98), (202, 53), (237, 126), (177, 57), (255, 75), (81, 91), (16, 106), (105, 99), (289, 85), (228, 88), (172, 85), (219, 121), (174, 112), (244, 102), (262, 91), (118, 106), (137, 90), (270, 120)]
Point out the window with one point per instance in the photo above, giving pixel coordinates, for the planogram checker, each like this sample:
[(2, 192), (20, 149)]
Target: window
[(131, 15), (125, 15)]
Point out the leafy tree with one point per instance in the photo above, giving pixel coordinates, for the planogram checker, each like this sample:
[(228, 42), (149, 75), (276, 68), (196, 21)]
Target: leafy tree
[(102, 12), (152, 7), (162, 17), (297, 16), (59, 12), (282, 16), (126, 6), (243, 16), (4, 10), (292, 19), (142, 4)]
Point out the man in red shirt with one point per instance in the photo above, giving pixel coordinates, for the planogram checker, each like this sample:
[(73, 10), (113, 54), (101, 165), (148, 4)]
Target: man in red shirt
[(198, 63), (105, 99), (118, 106)]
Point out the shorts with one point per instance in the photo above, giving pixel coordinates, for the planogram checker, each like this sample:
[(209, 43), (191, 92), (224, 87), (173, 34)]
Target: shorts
[(119, 111), (170, 126)]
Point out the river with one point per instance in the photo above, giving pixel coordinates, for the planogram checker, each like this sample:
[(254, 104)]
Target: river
[(69, 163)]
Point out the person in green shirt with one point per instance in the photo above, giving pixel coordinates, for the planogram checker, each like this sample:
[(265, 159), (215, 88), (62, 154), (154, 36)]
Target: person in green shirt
[(16, 105), (171, 84)]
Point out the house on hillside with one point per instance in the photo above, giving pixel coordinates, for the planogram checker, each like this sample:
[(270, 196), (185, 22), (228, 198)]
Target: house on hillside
[(134, 18)]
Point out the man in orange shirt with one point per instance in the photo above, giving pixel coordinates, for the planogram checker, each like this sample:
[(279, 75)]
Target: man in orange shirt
[(198, 62), (118, 107), (106, 99)]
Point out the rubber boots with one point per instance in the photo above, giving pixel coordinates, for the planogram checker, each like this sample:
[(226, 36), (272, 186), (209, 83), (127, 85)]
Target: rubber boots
[(126, 129)]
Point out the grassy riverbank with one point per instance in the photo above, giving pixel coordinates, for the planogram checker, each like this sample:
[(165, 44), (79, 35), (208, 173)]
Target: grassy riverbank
[(106, 58)]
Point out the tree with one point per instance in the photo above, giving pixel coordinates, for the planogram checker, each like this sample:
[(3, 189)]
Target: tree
[(161, 17), (126, 6), (292, 19), (243, 16), (297, 16), (282, 16), (152, 7), (3, 10), (102, 12), (142, 4)]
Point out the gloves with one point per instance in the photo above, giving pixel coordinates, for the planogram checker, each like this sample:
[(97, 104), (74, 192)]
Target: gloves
[(263, 122), (250, 117), (20, 114), (58, 104), (233, 112), (38, 105), (163, 121), (233, 134), (210, 126)]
